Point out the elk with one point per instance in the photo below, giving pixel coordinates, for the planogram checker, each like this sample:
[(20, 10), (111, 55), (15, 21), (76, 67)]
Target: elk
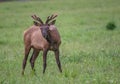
[(42, 37)]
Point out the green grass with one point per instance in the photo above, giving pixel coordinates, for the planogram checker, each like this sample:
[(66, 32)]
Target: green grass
[(89, 53)]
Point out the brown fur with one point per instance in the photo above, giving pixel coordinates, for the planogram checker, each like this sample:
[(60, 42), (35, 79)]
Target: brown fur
[(33, 38)]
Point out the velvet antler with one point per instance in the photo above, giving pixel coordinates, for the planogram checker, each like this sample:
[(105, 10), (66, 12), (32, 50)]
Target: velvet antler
[(49, 18), (37, 19)]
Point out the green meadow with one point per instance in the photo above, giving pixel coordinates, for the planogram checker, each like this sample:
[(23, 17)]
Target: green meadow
[(89, 53)]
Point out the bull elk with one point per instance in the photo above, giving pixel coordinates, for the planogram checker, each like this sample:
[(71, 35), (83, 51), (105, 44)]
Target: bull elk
[(42, 37)]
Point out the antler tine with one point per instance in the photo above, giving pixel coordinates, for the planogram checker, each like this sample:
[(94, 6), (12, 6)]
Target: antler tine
[(49, 18), (34, 17), (37, 18)]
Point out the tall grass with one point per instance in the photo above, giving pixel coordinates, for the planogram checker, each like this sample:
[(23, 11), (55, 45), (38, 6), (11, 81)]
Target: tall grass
[(89, 53)]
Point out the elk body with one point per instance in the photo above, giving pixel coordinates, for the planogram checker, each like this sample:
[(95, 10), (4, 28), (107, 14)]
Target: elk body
[(41, 37)]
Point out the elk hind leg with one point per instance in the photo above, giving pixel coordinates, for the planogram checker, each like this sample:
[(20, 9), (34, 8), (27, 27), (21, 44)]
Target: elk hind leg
[(57, 59)]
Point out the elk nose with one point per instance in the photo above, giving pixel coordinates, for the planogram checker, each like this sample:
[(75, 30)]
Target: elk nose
[(44, 34)]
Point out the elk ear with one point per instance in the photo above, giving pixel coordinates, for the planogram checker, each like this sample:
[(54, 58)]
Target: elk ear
[(36, 23), (52, 23)]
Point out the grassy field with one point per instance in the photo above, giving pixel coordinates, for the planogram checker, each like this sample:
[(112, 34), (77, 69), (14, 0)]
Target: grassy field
[(89, 53)]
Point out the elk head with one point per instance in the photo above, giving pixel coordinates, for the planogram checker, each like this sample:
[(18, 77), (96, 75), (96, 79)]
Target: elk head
[(44, 27)]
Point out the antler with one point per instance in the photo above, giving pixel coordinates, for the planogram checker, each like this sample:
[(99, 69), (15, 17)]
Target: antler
[(49, 18), (37, 19)]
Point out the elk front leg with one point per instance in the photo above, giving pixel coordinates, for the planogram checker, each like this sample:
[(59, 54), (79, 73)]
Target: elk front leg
[(27, 50), (44, 60), (33, 58), (57, 59)]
